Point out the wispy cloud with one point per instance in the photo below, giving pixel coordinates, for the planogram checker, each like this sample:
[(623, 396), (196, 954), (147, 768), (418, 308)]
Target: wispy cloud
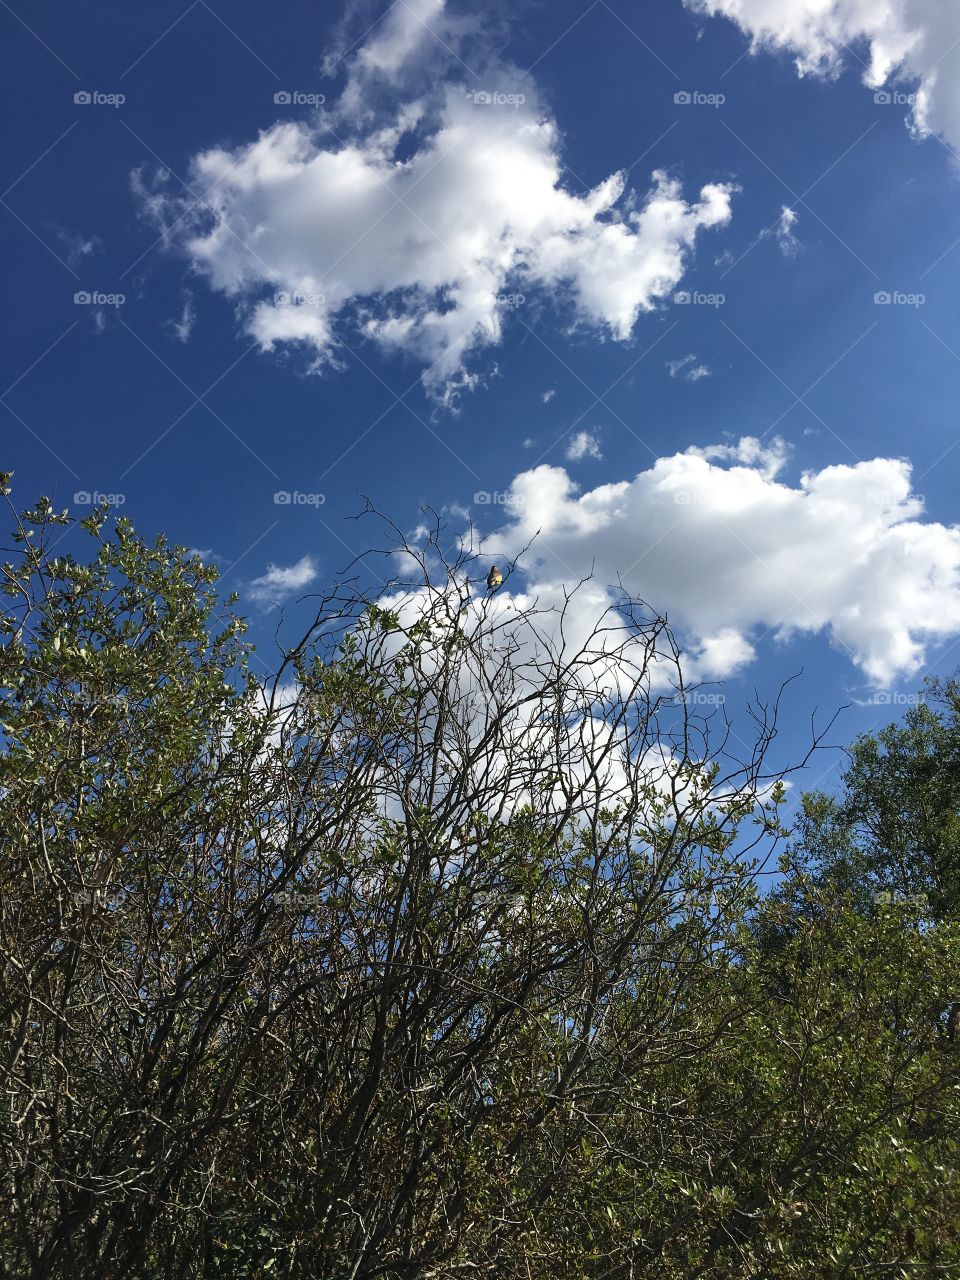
[(279, 582), (691, 371), (182, 327), (76, 247), (786, 237)]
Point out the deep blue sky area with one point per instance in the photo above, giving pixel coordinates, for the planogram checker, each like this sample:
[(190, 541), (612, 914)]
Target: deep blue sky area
[(197, 432)]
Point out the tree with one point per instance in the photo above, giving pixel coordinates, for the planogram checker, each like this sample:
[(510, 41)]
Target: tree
[(894, 827), (331, 977), (438, 953)]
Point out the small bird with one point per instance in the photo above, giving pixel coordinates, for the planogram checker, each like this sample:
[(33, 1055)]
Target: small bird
[(494, 578)]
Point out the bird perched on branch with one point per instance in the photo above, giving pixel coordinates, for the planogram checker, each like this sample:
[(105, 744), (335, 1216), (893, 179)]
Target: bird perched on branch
[(953, 1020), (494, 578)]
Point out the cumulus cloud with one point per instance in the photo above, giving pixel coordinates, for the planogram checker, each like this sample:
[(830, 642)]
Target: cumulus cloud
[(400, 35), (411, 210), (583, 445), (279, 582), (719, 541), (913, 42), (540, 691), (769, 459)]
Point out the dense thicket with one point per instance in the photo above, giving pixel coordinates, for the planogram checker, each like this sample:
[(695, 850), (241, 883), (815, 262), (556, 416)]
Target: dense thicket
[(440, 953)]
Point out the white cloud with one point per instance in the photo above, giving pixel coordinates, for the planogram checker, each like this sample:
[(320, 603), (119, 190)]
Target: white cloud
[(722, 654), (583, 445), (548, 395), (411, 211), (456, 509), (545, 677), (280, 582), (400, 35), (691, 372), (76, 246), (912, 42), (182, 327), (510, 720), (730, 552), (784, 231), (768, 459)]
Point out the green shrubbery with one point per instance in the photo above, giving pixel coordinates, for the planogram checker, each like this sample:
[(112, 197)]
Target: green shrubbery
[(442, 955)]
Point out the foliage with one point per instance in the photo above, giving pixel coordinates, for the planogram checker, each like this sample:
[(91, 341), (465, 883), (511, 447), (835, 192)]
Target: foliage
[(440, 954), (894, 828)]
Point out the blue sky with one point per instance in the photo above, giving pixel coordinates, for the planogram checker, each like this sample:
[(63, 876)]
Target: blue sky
[(471, 330)]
